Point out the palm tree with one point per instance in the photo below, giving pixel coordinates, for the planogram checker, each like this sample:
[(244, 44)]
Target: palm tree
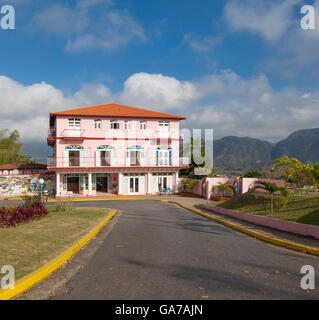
[(271, 188), (222, 188)]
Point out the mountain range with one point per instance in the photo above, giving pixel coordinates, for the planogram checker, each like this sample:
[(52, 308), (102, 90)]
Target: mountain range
[(237, 153), (234, 153)]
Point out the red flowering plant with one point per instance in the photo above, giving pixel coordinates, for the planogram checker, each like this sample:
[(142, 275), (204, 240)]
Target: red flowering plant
[(11, 217)]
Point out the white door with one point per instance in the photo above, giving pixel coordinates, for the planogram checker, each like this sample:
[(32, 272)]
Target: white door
[(163, 157), (136, 184)]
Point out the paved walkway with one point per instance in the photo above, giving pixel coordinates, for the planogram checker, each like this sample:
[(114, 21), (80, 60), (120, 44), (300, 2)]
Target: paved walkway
[(161, 251)]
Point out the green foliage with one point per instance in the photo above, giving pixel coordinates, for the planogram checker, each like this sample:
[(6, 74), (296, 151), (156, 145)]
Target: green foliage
[(302, 209), (189, 184), (298, 172), (28, 200), (188, 149), (222, 188), (254, 173), (10, 148), (271, 188), (286, 196)]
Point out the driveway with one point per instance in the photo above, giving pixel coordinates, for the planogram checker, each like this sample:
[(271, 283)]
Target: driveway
[(161, 251)]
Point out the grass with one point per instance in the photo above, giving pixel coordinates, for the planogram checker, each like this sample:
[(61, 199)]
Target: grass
[(31, 245), (300, 209)]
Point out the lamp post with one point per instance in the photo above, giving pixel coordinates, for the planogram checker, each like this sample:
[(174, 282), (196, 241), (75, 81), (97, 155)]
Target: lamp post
[(41, 182)]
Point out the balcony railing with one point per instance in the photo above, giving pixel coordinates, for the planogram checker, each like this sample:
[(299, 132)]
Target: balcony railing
[(51, 132), (78, 162), (73, 133)]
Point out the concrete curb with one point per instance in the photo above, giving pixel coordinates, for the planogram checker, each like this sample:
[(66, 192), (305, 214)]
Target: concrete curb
[(38, 275), (258, 235), (281, 225)]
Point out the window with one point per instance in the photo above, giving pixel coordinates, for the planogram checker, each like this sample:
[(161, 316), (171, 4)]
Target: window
[(97, 124), (127, 125), (164, 156), (115, 124), (163, 125), (143, 125), (74, 123)]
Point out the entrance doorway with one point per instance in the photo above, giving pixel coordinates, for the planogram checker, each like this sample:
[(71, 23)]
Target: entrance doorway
[(134, 184), (162, 183), (102, 184), (73, 184)]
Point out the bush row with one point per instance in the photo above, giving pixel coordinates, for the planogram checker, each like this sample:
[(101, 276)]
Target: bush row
[(11, 217)]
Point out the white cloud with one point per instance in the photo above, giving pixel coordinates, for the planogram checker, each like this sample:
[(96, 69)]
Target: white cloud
[(205, 45), (268, 18), (225, 102), (253, 108), (88, 25), (161, 92)]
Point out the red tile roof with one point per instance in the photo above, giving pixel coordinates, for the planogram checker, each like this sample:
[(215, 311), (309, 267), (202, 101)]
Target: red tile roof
[(116, 110)]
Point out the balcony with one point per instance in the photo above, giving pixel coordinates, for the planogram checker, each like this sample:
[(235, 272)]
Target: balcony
[(51, 132), (73, 133), (75, 161)]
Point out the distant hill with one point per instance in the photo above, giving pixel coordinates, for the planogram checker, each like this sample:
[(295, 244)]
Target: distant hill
[(234, 153), (302, 144)]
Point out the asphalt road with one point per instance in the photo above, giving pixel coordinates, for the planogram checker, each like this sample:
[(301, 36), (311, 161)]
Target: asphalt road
[(161, 251)]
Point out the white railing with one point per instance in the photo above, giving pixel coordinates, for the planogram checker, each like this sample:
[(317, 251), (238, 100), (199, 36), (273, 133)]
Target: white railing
[(73, 132), (92, 162)]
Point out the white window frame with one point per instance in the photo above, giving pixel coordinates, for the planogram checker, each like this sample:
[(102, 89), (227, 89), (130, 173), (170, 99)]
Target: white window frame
[(74, 123), (98, 124), (127, 124), (163, 125), (143, 125)]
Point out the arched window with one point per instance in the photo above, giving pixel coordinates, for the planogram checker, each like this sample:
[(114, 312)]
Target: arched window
[(73, 156), (135, 156), (105, 156), (164, 156)]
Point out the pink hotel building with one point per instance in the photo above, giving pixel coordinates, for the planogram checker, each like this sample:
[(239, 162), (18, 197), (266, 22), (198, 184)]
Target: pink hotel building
[(115, 149)]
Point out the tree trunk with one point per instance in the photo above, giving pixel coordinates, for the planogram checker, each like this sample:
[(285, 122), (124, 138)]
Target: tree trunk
[(271, 204)]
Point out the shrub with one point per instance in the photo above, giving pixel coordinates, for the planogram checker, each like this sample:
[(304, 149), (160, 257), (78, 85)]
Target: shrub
[(28, 200), (62, 206), (11, 217)]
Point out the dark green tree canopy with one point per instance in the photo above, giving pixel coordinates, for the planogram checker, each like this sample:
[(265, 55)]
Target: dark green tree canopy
[(10, 148)]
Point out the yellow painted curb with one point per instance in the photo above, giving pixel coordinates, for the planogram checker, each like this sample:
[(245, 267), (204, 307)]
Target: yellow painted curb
[(258, 235), (38, 275)]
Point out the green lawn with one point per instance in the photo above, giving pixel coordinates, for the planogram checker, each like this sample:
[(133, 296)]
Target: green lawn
[(31, 245), (300, 209)]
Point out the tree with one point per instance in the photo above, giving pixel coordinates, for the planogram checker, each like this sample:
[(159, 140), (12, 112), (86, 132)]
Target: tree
[(253, 173), (189, 184), (296, 171), (222, 188), (188, 149), (271, 188), (10, 148)]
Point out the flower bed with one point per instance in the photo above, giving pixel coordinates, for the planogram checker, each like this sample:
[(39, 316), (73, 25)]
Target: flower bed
[(11, 217)]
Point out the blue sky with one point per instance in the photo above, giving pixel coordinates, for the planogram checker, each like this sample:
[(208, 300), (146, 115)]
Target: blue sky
[(242, 67)]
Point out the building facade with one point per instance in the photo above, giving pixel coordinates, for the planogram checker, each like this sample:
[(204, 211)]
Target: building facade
[(114, 149)]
